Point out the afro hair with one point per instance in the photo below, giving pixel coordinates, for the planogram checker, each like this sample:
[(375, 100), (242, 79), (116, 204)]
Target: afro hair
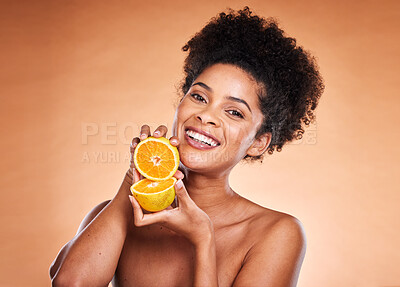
[(288, 74)]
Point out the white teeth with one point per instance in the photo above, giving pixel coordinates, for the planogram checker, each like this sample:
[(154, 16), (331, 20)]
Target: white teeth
[(201, 138)]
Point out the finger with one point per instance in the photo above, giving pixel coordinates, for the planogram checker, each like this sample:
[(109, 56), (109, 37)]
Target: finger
[(131, 169), (141, 219), (184, 199), (156, 217), (137, 211), (134, 143), (144, 132), (136, 176), (179, 175), (174, 141), (161, 131)]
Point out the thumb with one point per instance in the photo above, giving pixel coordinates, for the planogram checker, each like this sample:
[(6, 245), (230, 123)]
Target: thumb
[(182, 194)]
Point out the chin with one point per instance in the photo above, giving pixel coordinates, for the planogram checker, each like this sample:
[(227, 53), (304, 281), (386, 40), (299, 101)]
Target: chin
[(195, 160), (205, 161)]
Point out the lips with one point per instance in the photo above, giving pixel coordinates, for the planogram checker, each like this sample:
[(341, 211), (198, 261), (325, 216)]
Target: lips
[(200, 139), (205, 134)]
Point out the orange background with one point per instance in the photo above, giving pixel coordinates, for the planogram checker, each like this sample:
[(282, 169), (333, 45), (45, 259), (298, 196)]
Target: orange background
[(114, 65)]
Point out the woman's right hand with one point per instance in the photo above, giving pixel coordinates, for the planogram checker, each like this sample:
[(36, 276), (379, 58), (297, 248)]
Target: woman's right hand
[(103, 231), (133, 175)]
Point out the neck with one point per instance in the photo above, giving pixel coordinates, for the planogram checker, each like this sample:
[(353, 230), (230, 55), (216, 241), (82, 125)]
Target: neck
[(212, 194)]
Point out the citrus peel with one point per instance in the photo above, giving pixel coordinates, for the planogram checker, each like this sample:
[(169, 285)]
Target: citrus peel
[(157, 160)]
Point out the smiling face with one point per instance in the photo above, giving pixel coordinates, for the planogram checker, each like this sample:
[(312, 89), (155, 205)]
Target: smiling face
[(217, 120)]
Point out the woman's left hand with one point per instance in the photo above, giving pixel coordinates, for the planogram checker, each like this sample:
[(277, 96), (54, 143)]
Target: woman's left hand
[(186, 219)]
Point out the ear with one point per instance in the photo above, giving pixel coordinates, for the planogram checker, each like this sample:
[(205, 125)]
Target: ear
[(260, 145)]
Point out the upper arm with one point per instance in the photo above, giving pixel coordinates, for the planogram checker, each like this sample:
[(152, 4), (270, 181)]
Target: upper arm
[(92, 214), (275, 260), (86, 221)]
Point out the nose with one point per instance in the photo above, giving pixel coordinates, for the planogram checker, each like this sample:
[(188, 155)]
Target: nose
[(208, 118)]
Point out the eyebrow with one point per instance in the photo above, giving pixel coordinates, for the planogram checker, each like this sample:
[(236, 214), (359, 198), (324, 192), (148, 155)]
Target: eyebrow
[(201, 84), (238, 100)]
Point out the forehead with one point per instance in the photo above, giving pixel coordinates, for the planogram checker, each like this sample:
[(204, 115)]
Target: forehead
[(229, 80)]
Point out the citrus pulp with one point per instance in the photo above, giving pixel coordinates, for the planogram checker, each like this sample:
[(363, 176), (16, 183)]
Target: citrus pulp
[(156, 159), (154, 195)]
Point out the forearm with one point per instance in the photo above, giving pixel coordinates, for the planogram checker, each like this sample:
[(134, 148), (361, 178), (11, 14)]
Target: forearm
[(91, 257), (206, 263)]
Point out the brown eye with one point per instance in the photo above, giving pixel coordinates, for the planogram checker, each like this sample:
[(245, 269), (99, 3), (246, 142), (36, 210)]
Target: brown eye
[(198, 98), (235, 113)]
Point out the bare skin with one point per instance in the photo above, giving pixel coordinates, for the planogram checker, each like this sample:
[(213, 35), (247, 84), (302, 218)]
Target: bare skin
[(213, 236)]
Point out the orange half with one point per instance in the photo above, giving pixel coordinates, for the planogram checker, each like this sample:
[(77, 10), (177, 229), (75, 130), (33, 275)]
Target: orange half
[(154, 195), (156, 158)]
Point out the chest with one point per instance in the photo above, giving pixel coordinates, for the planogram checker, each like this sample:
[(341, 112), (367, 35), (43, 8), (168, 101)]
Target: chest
[(155, 256)]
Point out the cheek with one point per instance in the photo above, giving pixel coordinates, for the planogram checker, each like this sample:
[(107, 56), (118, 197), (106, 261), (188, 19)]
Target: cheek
[(241, 138), (238, 134), (182, 113)]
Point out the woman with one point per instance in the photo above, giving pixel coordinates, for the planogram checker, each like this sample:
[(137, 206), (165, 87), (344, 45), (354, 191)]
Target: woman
[(248, 89)]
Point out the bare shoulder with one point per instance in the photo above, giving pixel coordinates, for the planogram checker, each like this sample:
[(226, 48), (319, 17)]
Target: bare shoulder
[(275, 232), (286, 234), (92, 214), (271, 223), (281, 226), (278, 249)]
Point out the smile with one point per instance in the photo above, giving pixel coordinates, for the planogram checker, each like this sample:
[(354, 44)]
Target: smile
[(200, 139)]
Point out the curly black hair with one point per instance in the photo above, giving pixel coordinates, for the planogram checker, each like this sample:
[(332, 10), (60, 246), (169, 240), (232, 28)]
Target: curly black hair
[(290, 77)]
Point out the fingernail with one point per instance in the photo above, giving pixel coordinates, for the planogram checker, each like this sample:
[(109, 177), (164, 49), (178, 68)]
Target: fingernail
[(142, 136), (179, 184), (130, 198), (157, 133), (174, 141), (134, 144)]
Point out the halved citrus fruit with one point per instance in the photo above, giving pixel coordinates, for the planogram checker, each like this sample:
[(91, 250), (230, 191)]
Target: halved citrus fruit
[(154, 195), (156, 158)]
